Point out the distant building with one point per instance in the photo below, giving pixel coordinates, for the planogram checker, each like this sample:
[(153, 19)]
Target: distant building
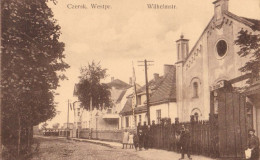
[(106, 118), (67, 126)]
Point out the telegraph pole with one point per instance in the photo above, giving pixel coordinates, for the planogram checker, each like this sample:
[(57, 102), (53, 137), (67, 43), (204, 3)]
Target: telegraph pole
[(147, 88), (0, 83), (68, 119)]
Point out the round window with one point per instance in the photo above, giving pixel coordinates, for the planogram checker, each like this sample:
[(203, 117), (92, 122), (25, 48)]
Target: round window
[(221, 48)]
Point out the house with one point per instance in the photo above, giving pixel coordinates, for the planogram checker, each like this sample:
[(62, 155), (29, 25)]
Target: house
[(209, 81), (104, 118), (162, 101)]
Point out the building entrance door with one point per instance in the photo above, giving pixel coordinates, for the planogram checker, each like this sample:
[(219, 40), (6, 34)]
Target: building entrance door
[(229, 110)]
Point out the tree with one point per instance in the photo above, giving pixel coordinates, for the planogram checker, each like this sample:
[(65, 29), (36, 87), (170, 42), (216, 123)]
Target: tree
[(249, 47), (32, 65), (90, 86)]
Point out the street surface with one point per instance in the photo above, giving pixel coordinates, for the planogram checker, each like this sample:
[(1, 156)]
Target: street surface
[(54, 148), (62, 149)]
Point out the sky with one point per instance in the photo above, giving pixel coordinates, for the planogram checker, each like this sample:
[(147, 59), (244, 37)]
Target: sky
[(129, 32)]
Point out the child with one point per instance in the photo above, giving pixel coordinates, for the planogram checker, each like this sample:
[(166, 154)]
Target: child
[(136, 141), (125, 139), (131, 140)]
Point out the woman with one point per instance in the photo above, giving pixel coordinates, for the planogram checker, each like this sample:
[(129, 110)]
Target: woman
[(253, 144)]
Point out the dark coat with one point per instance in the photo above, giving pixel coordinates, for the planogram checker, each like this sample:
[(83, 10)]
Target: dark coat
[(253, 143), (136, 139), (185, 140)]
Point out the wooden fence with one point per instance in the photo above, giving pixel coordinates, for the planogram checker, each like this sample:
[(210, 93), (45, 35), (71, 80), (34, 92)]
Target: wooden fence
[(203, 140)]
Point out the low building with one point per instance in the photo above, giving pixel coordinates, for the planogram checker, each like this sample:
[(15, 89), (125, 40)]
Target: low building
[(162, 91), (105, 118), (163, 99)]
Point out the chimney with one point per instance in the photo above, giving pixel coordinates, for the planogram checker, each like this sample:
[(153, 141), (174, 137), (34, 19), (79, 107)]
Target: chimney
[(182, 48), (220, 7), (168, 68), (156, 76), (130, 81), (112, 79)]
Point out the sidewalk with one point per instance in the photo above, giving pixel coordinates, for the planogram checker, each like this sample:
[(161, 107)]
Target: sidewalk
[(150, 154), (104, 143)]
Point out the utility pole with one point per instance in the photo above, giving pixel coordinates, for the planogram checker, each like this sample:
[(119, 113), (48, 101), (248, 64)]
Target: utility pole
[(147, 88), (0, 83), (90, 121), (68, 119)]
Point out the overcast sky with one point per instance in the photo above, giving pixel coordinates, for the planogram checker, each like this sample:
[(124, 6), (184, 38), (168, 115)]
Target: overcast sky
[(130, 32)]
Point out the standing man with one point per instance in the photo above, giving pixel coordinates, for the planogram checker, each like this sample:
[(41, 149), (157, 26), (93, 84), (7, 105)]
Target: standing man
[(185, 142), (140, 136), (253, 144), (145, 136)]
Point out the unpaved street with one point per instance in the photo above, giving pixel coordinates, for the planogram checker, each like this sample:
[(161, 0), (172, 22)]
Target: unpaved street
[(62, 149), (54, 148)]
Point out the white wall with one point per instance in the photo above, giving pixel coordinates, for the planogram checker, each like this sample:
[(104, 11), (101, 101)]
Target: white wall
[(168, 110), (131, 120)]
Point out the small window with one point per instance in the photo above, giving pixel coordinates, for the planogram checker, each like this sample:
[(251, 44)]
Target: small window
[(139, 100), (140, 119), (126, 121), (195, 89), (135, 121), (221, 48), (158, 116)]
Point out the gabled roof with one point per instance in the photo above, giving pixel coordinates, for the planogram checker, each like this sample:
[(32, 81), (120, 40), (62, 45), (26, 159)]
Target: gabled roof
[(252, 23), (118, 84), (153, 84), (127, 109), (121, 96), (166, 90)]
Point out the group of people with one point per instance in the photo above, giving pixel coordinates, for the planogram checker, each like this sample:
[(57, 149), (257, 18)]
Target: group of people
[(135, 140), (129, 138), (140, 140)]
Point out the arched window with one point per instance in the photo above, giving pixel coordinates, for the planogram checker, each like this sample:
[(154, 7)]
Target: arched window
[(196, 113), (195, 89), (194, 86)]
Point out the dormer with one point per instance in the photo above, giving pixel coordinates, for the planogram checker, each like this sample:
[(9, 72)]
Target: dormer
[(221, 6), (182, 49)]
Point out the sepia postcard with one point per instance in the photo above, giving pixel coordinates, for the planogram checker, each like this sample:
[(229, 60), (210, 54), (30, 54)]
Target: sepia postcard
[(130, 79)]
